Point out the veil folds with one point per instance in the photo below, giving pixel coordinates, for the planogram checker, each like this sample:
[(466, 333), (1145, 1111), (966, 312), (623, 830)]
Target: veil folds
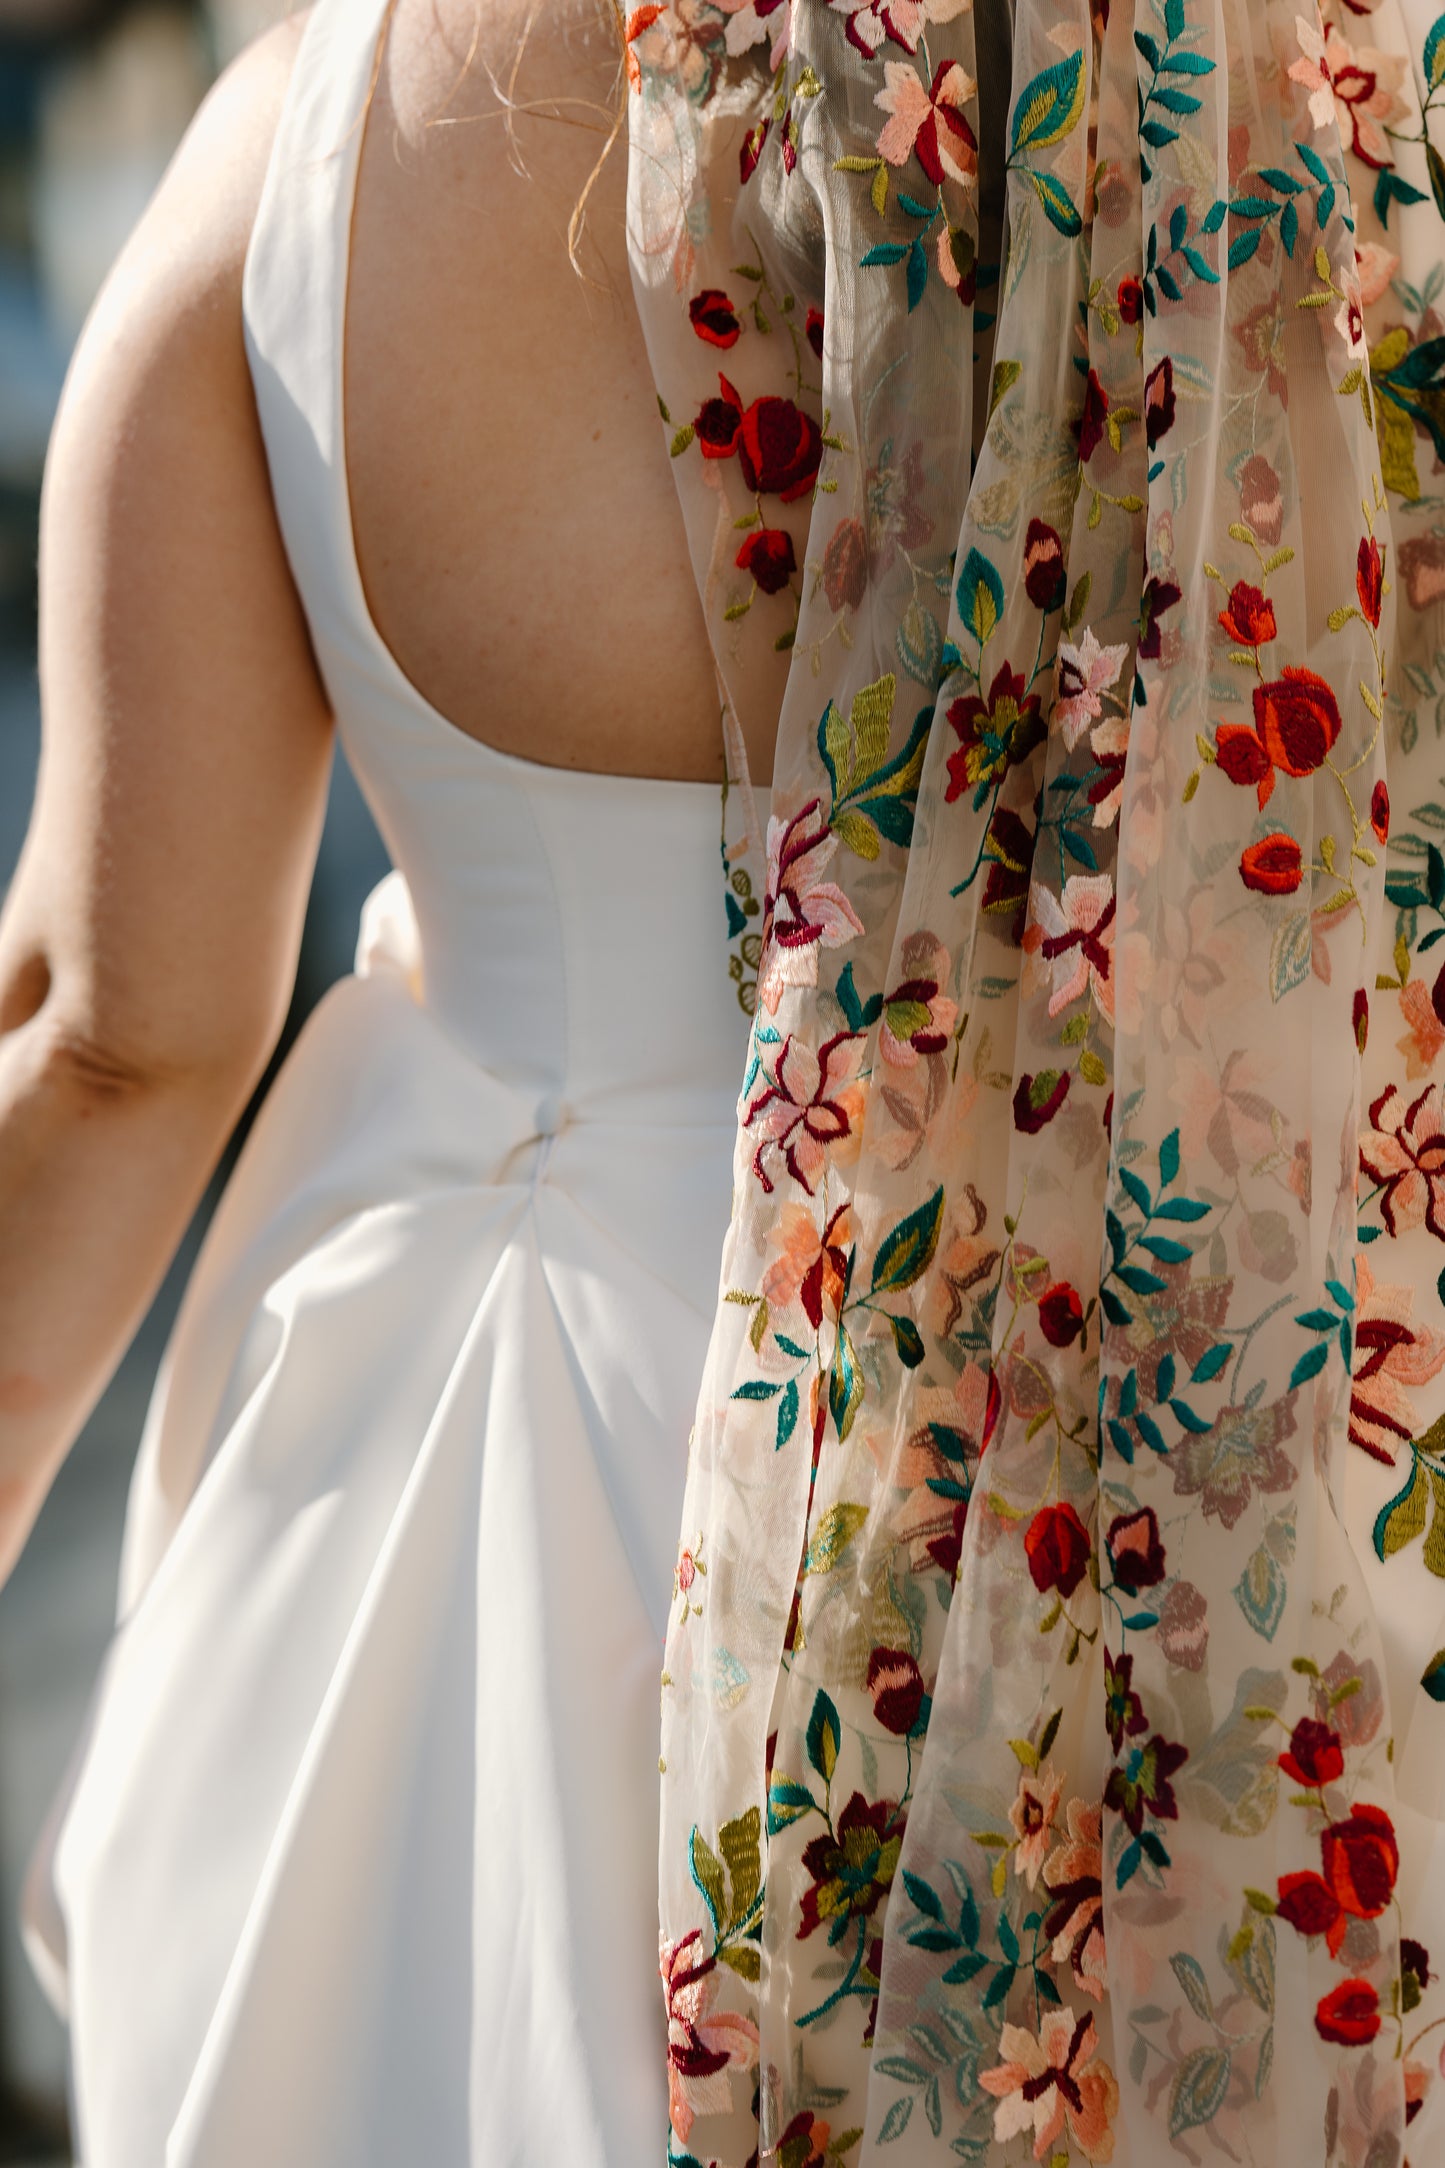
[(1053, 1750)]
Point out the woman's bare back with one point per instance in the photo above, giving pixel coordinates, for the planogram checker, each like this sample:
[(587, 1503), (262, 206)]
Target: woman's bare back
[(520, 542)]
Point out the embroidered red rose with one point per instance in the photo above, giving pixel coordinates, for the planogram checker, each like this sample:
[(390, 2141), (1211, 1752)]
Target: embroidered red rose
[(896, 1684), (845, 565), (1361, 1861), (813, 331), (1158, 596), (718, 421), (1057, 1544), (779, 448), (1370, 579), (1298, 720), (1045, 582), (714, 318), (768, 554), (1061, 1314), (1135, 1550), (1310, 1906), (1349, 2015), (1380, 811), (1272, 866), (1130, 298), (1313, 1756), (1248, 617)]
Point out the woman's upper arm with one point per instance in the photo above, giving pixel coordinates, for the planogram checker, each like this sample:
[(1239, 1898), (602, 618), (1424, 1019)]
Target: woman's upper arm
[(186, 738)]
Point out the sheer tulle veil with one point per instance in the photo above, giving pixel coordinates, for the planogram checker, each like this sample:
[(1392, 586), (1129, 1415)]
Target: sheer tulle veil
[(1053, 1735)]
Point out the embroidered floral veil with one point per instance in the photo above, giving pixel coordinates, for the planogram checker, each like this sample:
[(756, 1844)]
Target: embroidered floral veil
[(1054, 1758)]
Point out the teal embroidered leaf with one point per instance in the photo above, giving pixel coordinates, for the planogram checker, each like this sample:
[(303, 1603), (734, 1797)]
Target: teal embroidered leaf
[(980, 595), (1260, 1593), (825, 1737), (787, 1801), (1433, 1676), (906, 1251), (1059, 208), (1048, 108), (1200, 2085)]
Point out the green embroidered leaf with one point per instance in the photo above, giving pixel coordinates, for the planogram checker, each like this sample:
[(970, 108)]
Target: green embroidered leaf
[(845, 1384), (787, 1802), (1005, 375), (1433, 1676), (834, 1532), (1059, 208), (743, 1958), (857, 832), (869, 719), (740, 1842), (906, 1252), (708, 1875), (1401, 1519), (825, 1737), (980, 595), (1048, 108), (1432, 60), (1200, 2084)]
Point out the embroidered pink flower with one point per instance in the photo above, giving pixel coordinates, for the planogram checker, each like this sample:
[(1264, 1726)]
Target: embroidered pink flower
[(1074, 1877), (703, 2044), (1073, 935), (1425, 1034), (808, 1266), (812, 1105), (929, 122), (904, 21), (1032, 1816), (802, 913), (1086, 673), (1312, 69), (1404, 1151), (1366, 85), (1391, 1355), (751, 21), (1055, 2080)]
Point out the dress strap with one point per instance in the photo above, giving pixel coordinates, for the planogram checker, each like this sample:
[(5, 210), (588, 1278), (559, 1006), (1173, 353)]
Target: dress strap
[(294, 298)]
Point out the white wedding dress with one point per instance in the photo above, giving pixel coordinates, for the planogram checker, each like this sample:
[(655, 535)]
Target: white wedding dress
[(357, 1866)]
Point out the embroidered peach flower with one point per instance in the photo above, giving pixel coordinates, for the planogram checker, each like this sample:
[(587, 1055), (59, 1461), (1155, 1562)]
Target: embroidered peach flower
[(703, 2044), (1425, 1034), (1086, 673), (1073, 936), (812, 1105), (1312, 69), (1055, 2080), (808, 1266), (1404, 1151), (1073, 1876), (904, 21), (1391, 1355), (929, 121), (1366, 85), (803, 913), (1036, 1802), (752, 21)]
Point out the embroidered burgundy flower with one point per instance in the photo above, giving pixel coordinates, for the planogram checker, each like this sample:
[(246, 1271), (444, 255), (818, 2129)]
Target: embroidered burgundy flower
[(1123, 1710), (1009, 848), (1380, 811), (1314, 1756), (1159, 403), (1061, 1314), (1037, 1099), (994, 735), (853, 1865), (813, 331), (718, 421), (1141, 1785), (1184, 1627), (752, 150), (1136, 1552), (1248, 616), (779, 449), (1130, 298), (1094, 417), (1045, 580), (714, 318), (896, 1684), (767, 554), (1057, 1546), (1370, 579), (1158, 596)]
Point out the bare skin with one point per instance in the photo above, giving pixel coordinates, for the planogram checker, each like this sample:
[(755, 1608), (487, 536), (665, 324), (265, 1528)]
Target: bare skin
[(523, 557)]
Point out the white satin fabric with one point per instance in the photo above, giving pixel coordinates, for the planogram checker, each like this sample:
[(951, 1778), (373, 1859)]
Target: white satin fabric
[(357, 1866)]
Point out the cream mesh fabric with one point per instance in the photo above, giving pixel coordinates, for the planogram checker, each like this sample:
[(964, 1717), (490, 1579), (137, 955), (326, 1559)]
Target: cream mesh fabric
[(1052, 1735)]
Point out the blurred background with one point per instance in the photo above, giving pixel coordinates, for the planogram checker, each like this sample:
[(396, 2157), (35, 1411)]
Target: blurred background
[(94, 97)]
